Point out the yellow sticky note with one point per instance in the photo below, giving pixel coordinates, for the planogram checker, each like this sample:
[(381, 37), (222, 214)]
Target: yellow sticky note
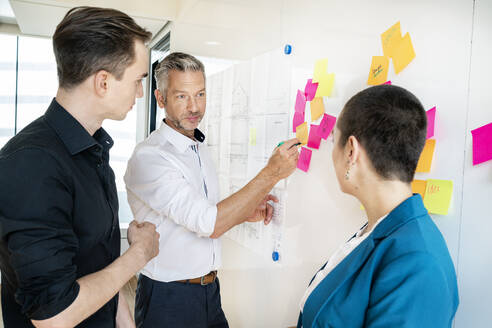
[(378, 74), (302, 133), (391, 39), (403, 54), (438, 196), (317, 108), (320, 68), (419, 186), (252, 136), (425, 160), (325, 85)]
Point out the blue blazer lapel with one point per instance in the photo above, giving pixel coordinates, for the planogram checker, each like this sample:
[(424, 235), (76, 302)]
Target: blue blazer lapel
[(409, 209), (343, 271)]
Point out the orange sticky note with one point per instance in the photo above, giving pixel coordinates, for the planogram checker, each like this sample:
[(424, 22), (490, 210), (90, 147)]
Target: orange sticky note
[(403, 54), (390, 39), (379, 70), (302, 133), (325, 85), (425, 160), (438, 196), (320, 68), (317, 108), (418, 187)]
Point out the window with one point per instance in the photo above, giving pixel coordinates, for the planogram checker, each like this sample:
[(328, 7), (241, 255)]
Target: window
[(8, 58), (28, 84)]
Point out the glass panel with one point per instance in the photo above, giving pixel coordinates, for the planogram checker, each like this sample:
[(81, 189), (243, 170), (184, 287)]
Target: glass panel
[(7, 87), (37, 81), (124, 134)]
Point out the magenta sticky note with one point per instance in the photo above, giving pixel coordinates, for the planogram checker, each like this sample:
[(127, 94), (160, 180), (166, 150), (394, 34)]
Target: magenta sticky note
[(304, 159), (431, 118), (326, 125), (310, 89), (300, 102), (482, 144), (314, 139), (298, 120), (387, 82)]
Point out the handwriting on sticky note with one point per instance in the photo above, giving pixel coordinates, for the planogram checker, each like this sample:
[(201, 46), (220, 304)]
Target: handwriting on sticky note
[(403, 54), (310, 89), (482, 144), (302, 133), (304, 159), (325, 85), (317, 108), (300, 102), (297, 120), (314, 139), (425, 160), (378, 73), (438, 195), (419, 186), (390, 39), (326, 125), (431, 117), (320, 68)]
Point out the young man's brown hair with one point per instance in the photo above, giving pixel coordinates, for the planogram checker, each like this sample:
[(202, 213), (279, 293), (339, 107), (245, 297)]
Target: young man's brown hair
[(90, 39)]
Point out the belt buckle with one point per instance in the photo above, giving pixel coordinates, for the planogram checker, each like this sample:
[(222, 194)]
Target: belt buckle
[(203, 277)]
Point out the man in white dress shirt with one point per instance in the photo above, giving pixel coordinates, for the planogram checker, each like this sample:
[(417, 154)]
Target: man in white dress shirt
[(171, 182)]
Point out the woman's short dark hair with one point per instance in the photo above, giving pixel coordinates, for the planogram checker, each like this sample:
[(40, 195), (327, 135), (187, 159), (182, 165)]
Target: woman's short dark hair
[(391, 124), (90, 39)]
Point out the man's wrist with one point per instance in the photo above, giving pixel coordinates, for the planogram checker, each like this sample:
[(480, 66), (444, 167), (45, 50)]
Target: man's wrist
[(270, 174), (136, 253)]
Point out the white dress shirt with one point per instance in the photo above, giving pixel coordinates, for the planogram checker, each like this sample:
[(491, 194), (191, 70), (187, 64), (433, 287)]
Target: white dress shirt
[(337, 258), (171, 181)]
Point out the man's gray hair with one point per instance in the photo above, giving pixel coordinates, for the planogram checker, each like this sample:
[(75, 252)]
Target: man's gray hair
[(175, 61)]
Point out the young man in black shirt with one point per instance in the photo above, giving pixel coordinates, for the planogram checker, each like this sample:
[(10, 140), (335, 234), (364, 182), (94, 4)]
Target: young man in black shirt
[(59, 233)]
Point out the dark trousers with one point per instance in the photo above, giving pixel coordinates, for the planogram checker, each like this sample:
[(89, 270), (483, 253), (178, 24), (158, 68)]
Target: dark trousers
[(175, 304)]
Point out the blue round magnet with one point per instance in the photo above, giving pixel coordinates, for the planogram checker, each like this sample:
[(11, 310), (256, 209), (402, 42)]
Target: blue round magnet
[(275, 256), (287, 49)]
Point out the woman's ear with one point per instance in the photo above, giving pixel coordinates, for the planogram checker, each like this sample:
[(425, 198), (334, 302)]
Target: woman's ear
[(353, 150)]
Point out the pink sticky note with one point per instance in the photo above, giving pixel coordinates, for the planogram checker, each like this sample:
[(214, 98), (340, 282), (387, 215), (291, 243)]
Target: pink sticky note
[(482, 144), (300, 102), (298, 120), (431, 117), (310, 89), (304, 159), (387, 82), (314, 139), (326, 125)]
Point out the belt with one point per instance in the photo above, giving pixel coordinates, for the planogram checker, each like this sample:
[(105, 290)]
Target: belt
[(204, 280)]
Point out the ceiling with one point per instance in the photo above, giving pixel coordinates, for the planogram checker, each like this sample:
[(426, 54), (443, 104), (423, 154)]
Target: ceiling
[(40, 17), (233, 29)]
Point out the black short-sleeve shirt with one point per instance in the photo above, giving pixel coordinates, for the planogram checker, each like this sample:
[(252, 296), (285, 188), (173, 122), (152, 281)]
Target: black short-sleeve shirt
[(58, 218)]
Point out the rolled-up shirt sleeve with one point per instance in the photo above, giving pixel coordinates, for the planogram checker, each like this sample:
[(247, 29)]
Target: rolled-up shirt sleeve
[(35, 224), (158, 183)]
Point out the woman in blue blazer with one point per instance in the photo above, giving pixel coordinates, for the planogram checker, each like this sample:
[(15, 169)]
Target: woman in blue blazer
[(396, 271)]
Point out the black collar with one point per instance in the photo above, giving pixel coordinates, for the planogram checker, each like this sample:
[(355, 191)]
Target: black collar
[(72, 133)]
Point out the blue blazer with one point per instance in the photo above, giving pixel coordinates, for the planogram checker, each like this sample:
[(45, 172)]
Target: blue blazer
[(401, 275)]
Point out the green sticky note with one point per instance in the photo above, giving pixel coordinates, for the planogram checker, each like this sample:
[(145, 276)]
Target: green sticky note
[(438, 195)]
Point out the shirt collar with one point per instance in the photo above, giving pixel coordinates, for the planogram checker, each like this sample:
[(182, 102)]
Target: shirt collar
[(72, 133), (179, 140)]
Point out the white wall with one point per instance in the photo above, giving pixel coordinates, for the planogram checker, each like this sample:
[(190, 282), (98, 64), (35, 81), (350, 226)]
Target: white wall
[(448, 72), (475, 257)]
